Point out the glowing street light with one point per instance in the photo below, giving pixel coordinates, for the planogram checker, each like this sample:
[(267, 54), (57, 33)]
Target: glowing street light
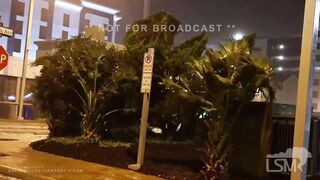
[(281, 46), (280, 57), (280, 68), (238, 36)]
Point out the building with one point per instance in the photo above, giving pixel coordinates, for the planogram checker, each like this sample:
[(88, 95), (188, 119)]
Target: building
[(54, 20), (284, 54)]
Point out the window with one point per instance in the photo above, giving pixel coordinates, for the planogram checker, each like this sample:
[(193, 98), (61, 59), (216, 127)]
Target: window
[(19, 27), (315, 106), (8, 88), (318, 58), (43, 32), (44, 14), (316, 82), (20, 9), (66, 19), (315, 94), (64, 35), (17, 45)]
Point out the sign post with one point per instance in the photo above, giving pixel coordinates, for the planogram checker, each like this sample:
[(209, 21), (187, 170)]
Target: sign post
[(4, 57), (146, 83)]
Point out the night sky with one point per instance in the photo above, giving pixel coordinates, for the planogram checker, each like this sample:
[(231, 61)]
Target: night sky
[(266, 18)]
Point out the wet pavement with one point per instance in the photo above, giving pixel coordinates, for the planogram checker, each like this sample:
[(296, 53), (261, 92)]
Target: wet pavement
[(21, 158), (4, 177)]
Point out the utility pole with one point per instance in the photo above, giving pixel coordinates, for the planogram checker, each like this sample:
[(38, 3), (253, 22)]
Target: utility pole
[(25, 60), (146, 8), (306, 76)]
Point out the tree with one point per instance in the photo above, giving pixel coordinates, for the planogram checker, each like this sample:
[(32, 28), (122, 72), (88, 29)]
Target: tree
[(170, 60), (223, 82)]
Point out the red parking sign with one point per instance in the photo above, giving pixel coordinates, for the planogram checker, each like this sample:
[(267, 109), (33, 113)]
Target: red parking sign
[(4, 56)]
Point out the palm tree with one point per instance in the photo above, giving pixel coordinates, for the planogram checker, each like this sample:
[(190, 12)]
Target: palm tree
[(223, 82)]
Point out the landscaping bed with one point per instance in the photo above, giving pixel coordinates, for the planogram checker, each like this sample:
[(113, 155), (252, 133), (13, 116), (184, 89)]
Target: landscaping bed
[(178, 160)]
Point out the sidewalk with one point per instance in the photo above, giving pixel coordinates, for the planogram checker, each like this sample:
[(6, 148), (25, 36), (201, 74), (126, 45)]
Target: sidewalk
[(24, 163)]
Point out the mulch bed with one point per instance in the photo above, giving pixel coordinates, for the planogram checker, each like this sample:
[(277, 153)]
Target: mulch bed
[(169, 161)]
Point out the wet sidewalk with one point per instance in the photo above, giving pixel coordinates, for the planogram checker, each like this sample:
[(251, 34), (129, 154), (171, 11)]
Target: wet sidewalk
[(19, 160)]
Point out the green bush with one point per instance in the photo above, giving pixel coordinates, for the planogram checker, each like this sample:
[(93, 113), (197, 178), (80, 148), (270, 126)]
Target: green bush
[(166, 111), (223, 82), (77, 88)]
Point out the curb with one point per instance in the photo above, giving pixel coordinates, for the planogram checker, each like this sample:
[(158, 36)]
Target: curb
[(21, 174)]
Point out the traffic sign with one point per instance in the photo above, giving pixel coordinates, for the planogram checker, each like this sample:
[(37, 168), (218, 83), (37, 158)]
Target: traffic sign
[(147, 71), (6, 32), (145, 89), (4, 56)]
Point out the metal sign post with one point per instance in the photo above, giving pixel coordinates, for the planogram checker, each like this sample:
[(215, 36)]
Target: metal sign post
[(146, 83)]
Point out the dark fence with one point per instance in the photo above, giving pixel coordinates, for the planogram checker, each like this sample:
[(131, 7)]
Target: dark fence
[(283, 132)]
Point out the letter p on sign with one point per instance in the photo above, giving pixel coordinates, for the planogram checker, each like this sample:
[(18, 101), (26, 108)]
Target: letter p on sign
[(4, 56)]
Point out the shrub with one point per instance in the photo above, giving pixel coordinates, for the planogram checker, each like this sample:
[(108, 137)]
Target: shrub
[(223, 82), (170, 60), (77, 86)]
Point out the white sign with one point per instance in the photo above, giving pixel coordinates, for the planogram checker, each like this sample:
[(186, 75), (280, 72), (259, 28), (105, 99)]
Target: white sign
[(148, 63), (147, 71), (6, 32)]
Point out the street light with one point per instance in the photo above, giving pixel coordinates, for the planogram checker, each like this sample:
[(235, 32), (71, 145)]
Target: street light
[(146, 8), (25, 60), (281, 46), (238, 36)]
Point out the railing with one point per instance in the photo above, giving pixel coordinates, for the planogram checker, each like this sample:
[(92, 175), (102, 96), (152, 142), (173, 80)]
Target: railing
[(283, 131)]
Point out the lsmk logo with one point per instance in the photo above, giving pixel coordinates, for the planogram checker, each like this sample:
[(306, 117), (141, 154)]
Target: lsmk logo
[(280, 162)]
